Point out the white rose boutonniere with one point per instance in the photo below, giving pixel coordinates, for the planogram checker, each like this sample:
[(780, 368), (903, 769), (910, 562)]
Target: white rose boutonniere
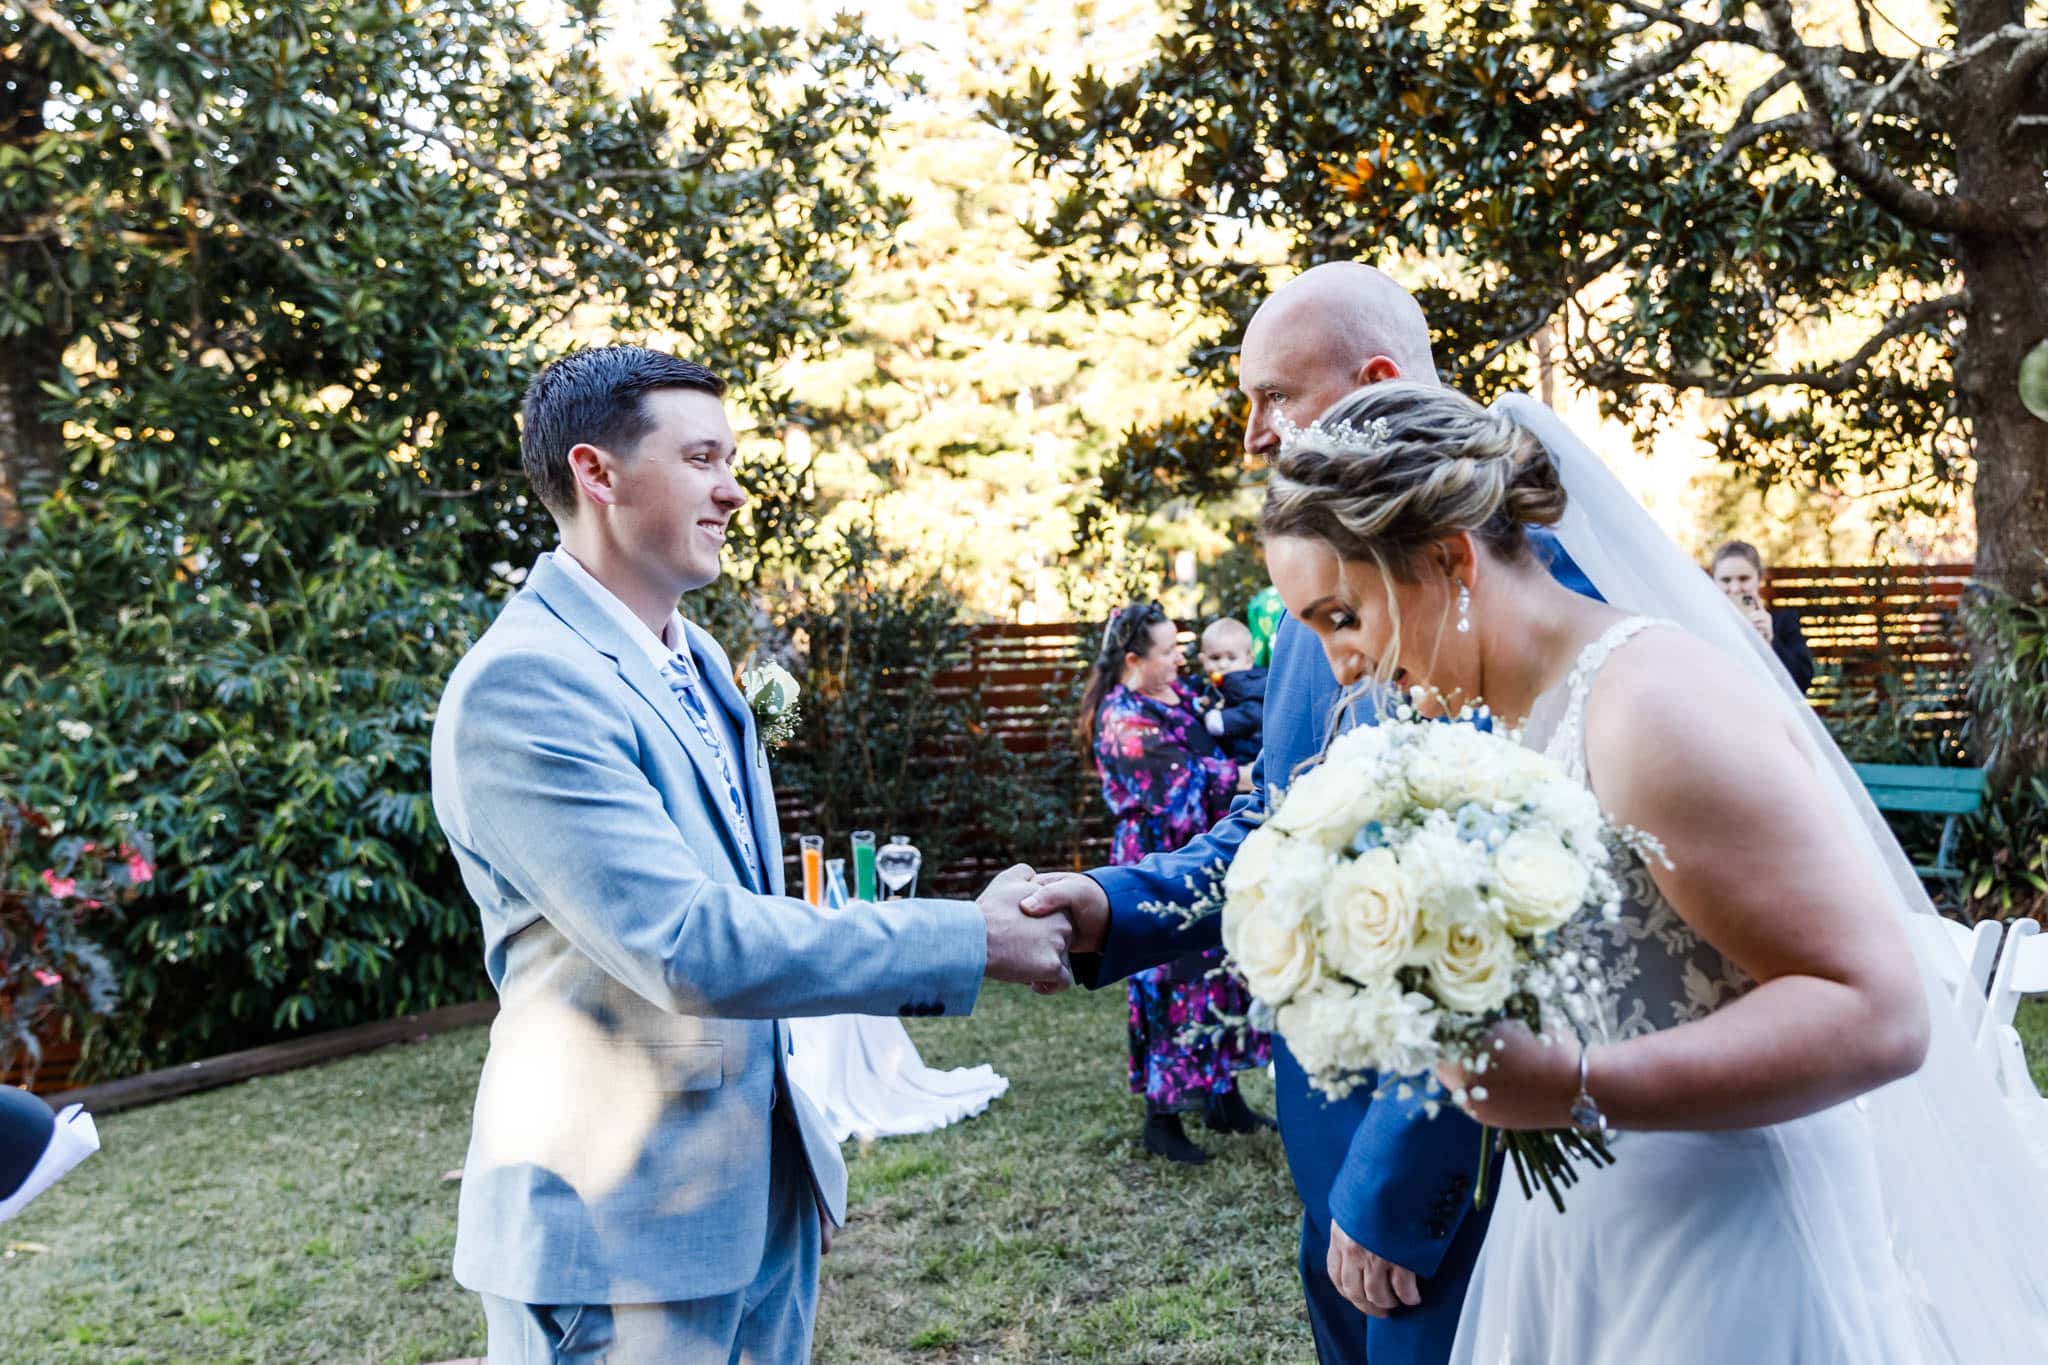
[(771, 694)]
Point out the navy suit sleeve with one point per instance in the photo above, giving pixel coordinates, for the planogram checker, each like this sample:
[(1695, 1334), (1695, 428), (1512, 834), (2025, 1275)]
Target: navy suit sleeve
[(1406, 1184), (1140, 937), (1244, 718)]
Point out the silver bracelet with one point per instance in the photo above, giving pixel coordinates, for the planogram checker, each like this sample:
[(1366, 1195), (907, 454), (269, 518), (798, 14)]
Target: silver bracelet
[(1586, 1115)]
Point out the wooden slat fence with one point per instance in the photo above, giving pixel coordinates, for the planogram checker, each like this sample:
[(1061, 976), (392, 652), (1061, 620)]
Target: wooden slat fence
[(1866, 624), (1891, 625)]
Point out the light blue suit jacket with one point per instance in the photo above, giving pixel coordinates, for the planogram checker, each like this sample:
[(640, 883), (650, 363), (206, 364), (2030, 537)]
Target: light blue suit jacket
[(620, 1149)]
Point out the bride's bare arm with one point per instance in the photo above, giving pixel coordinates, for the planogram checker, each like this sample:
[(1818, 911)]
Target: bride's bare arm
[(1763, 870)]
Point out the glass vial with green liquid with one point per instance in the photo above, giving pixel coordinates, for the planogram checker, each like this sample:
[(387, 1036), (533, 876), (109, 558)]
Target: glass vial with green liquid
[(864, 885)]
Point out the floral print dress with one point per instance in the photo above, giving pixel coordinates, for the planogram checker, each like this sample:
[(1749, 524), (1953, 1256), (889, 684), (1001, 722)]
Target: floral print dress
[(1165, 782)]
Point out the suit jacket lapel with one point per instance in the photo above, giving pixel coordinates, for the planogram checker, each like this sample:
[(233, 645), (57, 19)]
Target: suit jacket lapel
[(583, 616), (716, 669)]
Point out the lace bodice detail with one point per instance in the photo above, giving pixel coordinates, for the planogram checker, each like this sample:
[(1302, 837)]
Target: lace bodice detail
[(1658, 971)]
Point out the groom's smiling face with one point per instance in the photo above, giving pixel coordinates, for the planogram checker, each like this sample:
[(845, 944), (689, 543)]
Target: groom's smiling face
[(674, 496)]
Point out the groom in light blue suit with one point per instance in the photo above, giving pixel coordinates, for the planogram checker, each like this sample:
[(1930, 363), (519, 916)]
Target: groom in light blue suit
[(1389, 1232), (643, 1182)]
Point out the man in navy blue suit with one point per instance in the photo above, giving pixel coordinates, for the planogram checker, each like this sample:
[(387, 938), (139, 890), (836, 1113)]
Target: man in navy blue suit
[(1389, 1233)]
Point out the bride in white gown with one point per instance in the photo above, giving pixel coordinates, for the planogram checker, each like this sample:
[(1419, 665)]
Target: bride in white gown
[(1810, 1164)]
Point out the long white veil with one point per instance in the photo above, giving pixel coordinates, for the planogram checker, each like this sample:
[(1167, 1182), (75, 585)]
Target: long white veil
[(1965, 1203)]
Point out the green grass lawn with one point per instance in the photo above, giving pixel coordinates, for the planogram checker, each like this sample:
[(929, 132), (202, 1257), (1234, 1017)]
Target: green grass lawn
[(304, 1218)]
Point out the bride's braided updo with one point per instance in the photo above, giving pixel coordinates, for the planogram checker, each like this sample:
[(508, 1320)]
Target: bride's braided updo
[(1395, 467)]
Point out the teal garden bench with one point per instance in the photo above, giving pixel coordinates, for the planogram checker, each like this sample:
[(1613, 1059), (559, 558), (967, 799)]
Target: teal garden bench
[(1954, 792)]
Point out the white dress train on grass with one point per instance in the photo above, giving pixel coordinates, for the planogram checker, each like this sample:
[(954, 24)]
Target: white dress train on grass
[(864, 1075)]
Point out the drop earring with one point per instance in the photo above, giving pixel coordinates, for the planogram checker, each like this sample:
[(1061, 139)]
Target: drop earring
[(1464, 609)]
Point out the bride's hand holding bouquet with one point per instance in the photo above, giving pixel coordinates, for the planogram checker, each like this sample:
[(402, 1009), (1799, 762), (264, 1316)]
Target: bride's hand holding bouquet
[(1408, 910)]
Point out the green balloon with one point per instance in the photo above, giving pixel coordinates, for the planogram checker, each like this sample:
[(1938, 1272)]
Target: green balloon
[(2034, 381)]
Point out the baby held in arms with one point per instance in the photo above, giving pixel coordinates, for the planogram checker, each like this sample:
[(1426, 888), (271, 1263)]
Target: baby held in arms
[(1233, 695)]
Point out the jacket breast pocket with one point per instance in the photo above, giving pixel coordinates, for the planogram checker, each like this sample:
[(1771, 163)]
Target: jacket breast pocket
[(669, 1068)]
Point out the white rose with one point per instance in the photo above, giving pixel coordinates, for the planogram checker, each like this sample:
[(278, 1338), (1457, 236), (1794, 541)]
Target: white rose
[(1274, 946), (1361, 748), (1539, 881), (1271, 869), (1444, 876), (1572, 810), (1521, 773), (1329, 803), (1472, 968), (1253, 861), (1317, 1026), (1446, 765), (769, 686), (1369, 925)]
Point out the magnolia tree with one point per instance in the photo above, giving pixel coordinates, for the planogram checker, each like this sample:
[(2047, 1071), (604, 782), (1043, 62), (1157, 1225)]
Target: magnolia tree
[(275, 275), (1831, 217)]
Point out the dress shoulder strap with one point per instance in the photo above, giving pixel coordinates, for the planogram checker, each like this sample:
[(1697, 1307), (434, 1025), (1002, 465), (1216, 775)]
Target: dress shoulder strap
[(1569, 743)]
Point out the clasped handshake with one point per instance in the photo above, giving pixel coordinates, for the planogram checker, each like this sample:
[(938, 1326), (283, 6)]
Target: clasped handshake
[(1036, 921)]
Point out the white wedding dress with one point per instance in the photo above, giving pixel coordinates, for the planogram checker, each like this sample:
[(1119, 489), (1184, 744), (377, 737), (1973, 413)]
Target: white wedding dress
[(1704, 1247), (1900, 1228), (864, 1075)]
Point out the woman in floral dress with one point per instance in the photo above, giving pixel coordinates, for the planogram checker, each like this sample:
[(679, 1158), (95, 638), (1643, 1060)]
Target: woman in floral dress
[(1165, 782)]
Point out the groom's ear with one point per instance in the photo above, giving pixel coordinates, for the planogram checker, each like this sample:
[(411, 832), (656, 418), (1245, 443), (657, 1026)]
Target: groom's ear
[(591, 467)]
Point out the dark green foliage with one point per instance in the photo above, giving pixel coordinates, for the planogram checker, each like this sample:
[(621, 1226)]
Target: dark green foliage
[(1537, 155), (2009, 687), (299, 261), (2006, 845), (57, 892)]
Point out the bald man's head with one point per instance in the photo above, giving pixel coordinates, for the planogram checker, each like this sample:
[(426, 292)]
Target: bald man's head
[(1326, 332)]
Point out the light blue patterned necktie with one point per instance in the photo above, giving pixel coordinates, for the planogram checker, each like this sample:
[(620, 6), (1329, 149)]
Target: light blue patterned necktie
[(680, 672)]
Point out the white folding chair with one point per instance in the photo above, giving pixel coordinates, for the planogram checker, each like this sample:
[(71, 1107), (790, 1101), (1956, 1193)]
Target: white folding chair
[(1975, 947), (2022, 971)]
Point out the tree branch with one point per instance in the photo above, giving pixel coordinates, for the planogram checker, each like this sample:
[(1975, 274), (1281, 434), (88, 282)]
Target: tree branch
[(1836, 379), (1756, 132), (1844, 376), (526, 187), (2022, 65), (1755, 99), (1660, 62), (108, 60), (1846, 152), (1532, 321)]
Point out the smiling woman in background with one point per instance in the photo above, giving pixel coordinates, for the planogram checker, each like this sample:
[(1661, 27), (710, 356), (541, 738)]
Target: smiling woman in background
[(1165, 782), (1739, 572)]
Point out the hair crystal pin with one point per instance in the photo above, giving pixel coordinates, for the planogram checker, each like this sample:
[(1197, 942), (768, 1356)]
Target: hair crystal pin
[(1342, 438)]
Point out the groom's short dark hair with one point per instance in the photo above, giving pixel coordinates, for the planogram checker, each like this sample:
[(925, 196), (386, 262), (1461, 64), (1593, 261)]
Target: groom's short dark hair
[(595, 397)]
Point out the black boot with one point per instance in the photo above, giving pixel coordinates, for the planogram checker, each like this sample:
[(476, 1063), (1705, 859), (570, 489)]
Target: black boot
[(1165, 1137), (1228, 1113)]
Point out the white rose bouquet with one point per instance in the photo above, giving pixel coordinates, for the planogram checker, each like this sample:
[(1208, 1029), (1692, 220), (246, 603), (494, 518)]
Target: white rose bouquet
[(1409, 893)]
